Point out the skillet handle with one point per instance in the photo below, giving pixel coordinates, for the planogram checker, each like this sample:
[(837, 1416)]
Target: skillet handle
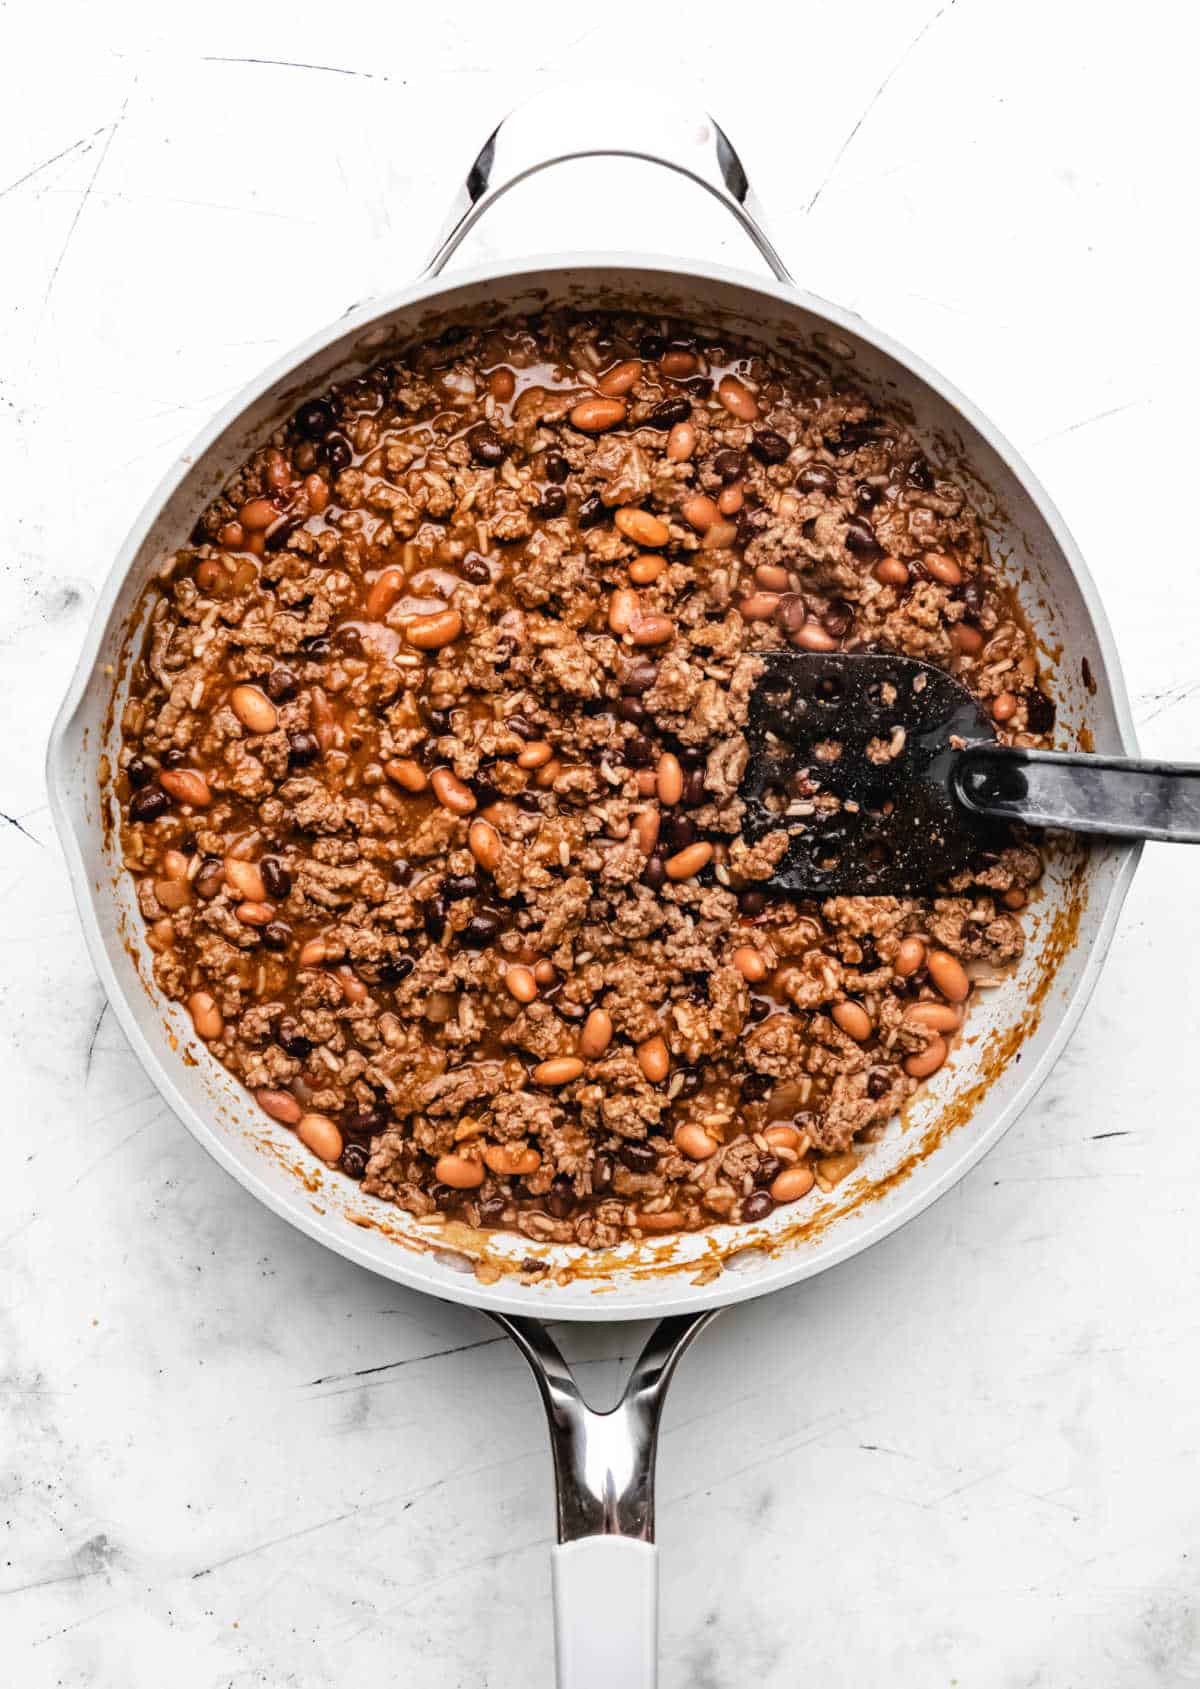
[(1120, 797), (604, 120), (606, 1564)]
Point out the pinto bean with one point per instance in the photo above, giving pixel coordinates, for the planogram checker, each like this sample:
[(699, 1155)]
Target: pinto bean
[(813, 637), (942, 568), (645, 569), (520, 983), (280, 1105), (750, 963), (935, 1017), (928, 1060), (681, 442), (459, 1172), (737, 398), (246, 879), (206, 1017), (792, 1184), (255, 914), (450, 791), (654, 1059), (596, 1035), (511, 1161), (700, 512), (623, 606), (677, 362), (559, 1070), (669, 778), (689, 861), (948, 975), (620, 378), (1004, 707), (889, 571), (485, 845), (641, 526), (646, 829), (651, 629), (254, 709), (384, 591), (185, 785), (693, 1141), (665, 1220), (403, 771), (758, 607), (909, 957), (966, 639), (854, 1021), (593, 416), (536, 754), (431, 633)]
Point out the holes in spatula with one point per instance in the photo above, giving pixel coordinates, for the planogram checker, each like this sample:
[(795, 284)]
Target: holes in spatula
[(829, 689), (883, 694), (776, 691), (877, 854)]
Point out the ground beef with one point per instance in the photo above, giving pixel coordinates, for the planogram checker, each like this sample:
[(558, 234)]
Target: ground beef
[(452, 672)]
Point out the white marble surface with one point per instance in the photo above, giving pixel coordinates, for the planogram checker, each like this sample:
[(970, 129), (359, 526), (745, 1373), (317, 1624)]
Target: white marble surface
[(228, 1459)]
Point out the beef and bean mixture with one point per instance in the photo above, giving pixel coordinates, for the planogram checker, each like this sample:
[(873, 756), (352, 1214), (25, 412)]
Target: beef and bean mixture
[(430, 769)]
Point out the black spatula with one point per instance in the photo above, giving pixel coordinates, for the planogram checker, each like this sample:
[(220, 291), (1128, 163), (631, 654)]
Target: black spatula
[(886, 773)]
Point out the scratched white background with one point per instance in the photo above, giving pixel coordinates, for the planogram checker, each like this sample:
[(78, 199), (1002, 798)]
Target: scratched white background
[(228, 1459)]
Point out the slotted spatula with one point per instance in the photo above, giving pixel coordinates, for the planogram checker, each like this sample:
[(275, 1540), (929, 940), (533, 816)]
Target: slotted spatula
[(888, 777)]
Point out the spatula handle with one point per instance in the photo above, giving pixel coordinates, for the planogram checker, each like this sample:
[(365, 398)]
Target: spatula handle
[(1122, 797)]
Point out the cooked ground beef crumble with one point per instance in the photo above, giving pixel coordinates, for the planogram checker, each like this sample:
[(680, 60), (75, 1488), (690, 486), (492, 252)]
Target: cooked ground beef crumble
[(430, 772)]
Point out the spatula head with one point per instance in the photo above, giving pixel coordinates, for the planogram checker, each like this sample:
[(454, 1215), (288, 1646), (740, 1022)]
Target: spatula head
[(851, 754)]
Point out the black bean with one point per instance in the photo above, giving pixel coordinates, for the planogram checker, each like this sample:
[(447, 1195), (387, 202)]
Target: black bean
[(1040, 711), (652, 347), (317, 647), (655, 873), (668, 412), (365, 1122), (755, 1087), (434, 915), (730, 465), (438, 721), (148, 804), (838, 619), (401, 871), (693, 791), (282, 532), (552, 503), (590, 511), (210, 877), (752, 902), (561, 1198), (640, 678), (393, 969), (315, 419), (282, 684), (866, 497), (556, 467), (277, 935), (276, 878), (639, 1158), (816, 478), (480, 931), (337, 453), (759, 1009), (639, 752), (457, 886), (849, 436), (860, 538), (768, 446), (920, 474), (303, 748), (700, 385), (879, 1083), (349, 641), (629, 709), (757, 1206), (870, 956), (676, 833), (692, 1079), (748, 521), (491, 1211), (769, 1167), (602, 1174), (174, 758), (522, 725), (293, 1040), (486, 445), (354, 1160), (973, 595), (139, 772)]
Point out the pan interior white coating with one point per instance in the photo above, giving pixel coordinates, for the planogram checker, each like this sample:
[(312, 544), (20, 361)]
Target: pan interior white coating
[(1028, 539)]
